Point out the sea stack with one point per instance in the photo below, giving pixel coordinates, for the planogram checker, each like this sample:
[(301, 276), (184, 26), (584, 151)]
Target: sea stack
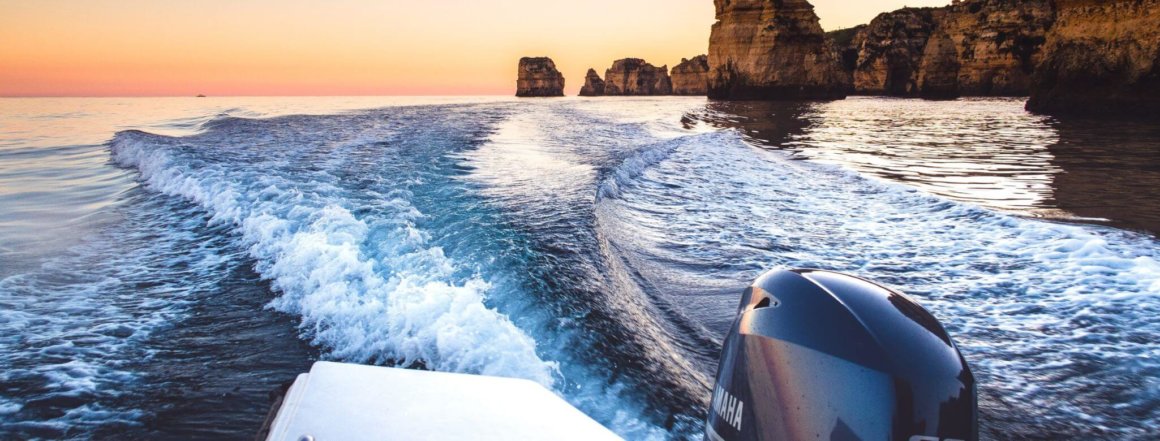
[(634, 76), (771, 50), (538, 77), (593, 85), (1101, 57), (691, 77)]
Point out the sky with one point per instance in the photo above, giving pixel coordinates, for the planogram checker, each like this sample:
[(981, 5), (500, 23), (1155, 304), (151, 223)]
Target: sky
[(345, 47)]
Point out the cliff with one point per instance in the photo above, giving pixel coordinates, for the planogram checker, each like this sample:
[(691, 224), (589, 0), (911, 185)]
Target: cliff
[(593, 85), (539, 77), (634, 76), (972, 47), (987, 47), (846, 43), (771, 49), (691, 77), (1101, 57), (891, 49)]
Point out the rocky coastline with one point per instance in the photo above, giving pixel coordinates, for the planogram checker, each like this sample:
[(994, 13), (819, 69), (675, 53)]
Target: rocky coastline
[(1068, 56), (970, 48), (1101, 58)]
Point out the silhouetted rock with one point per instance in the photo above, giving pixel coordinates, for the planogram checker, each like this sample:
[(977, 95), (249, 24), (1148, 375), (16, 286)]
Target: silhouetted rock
[(1101, 57), (691, 77), (634, 76), (771, 49), (539, 77), (593, 85)]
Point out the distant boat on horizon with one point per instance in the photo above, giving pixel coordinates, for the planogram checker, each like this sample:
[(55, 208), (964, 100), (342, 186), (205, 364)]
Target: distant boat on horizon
[(200, 96)]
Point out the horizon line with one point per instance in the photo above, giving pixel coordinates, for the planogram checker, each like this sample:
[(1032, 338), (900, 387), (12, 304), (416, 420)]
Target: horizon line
[(263, 96)]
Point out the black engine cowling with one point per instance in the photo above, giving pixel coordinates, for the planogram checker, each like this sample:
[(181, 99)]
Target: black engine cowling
[(821, 355)]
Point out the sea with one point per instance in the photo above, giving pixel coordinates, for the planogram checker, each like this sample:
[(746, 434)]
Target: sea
[(168, 264)]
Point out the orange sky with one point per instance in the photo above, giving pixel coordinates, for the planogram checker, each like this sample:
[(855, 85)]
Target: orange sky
[(344, 47)]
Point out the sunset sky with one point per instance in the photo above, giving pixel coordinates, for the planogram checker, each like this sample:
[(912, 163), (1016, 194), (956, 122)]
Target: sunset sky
[(344, 47)]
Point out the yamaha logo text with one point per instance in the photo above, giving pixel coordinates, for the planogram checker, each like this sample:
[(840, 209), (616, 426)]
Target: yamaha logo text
[(727, 407)]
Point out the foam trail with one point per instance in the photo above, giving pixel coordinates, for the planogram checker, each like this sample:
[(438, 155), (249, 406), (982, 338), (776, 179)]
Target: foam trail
[(1047, 313), (310, 247)]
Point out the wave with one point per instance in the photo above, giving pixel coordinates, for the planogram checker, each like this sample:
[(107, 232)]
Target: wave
[(1046, 312), (400, 308), (74, 327), (369, 237)]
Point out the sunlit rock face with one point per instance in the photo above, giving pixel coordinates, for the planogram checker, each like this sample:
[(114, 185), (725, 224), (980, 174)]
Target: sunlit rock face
[(986, 48), (538, 77), (691, 77), (769, 50), (1101, 57), (970, 48), (634, 76), (593, 84)]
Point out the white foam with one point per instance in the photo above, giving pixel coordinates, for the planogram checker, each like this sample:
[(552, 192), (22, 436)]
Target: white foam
[(311, 249), (1027, 300)]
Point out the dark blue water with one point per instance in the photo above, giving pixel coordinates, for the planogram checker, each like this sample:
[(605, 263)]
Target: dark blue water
[(594, 246)]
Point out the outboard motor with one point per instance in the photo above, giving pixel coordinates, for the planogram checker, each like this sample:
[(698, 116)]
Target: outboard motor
[(821, 355)]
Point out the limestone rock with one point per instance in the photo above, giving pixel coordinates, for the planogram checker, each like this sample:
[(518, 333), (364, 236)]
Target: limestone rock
[(846, 44), (997, 44), (593, 85), (538, 77), (939, 74), (1101, 57), (634, 76), (691, 77), (891, 51), (771, 49)]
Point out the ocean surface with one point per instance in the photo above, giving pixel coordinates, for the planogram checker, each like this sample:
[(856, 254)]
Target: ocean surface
[(165, 264)]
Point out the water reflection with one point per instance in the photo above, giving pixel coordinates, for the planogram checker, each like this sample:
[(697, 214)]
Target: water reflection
[(1112, 171), (775, 124), (988, 152)]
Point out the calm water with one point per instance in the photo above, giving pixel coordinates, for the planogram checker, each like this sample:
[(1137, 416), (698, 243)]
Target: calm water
[(165, 263)]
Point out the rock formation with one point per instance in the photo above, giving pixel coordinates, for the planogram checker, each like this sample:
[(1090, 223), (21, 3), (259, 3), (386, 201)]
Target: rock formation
[(593, 85), (996, 46), (691, 77), (771, 49), (1101, 57), (972, 47), (634, 76), (846, 44), (539, 77), (891, 51)]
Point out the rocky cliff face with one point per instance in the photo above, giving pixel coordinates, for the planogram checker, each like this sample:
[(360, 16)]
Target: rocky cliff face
[(890, 51), (593, 85), (539, 77), (634, 76), (846, 44), (1101, 57), (771, 49), (691, 77), (988, 48), (972, 47)]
